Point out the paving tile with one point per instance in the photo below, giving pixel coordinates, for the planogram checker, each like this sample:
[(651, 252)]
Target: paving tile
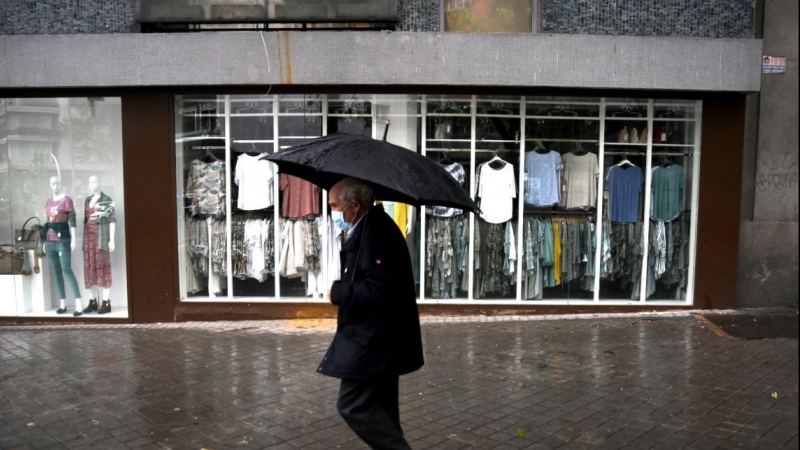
[(583, 383)]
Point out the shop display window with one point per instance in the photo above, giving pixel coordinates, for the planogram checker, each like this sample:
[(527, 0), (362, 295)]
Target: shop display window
[(581, 198), (62, 213)]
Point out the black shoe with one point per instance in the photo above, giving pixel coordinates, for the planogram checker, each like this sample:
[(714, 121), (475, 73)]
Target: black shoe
[(77, 313), (92, 306), (105, 307), (61, 310)]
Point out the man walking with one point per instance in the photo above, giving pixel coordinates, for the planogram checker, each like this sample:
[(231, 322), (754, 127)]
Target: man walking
[(378, 333)]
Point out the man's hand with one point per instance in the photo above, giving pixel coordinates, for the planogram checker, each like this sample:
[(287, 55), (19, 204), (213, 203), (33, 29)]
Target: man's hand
[(328, 296)]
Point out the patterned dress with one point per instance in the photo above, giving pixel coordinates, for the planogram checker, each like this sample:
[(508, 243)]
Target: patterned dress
[(96, 261)]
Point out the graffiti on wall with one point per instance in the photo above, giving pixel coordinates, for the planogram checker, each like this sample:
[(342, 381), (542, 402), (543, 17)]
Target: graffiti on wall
[(779, 177)]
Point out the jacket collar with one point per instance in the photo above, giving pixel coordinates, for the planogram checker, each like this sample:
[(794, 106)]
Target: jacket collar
[(371, 215)]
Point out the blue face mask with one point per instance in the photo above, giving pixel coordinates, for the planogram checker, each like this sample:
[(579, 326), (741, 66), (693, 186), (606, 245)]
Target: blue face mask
[(338, 220)]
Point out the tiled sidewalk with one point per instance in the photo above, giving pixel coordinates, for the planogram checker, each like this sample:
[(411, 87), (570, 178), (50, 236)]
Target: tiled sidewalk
[(636, 381)]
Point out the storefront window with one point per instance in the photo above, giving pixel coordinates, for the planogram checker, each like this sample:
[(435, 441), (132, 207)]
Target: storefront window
[(503, 16), (61, 169), (581, 198)]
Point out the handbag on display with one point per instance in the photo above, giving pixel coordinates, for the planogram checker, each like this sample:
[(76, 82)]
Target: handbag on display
[(28, 238), (11, 260)]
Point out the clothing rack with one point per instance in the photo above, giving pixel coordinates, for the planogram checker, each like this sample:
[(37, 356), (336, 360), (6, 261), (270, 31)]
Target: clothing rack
[(466, 150), (533, 210), (653, 153)]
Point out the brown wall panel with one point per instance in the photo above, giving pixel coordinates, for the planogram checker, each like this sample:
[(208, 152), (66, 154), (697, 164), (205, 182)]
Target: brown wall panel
[(720, 201), (150, 205)]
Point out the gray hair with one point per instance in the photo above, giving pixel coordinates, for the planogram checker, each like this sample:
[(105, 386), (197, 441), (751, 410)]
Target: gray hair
[(355, 189)]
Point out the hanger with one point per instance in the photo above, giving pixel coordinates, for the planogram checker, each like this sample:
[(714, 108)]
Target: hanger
[(251, 108), (252, 151), (495, 159), (579, 150), (445, 160), (672, 112), (497, 107), (209, 155), (540, 146), (561, 109), (623, 162), (664, 162), (447, 107), (302, 106), (626, 110), (352, 106)]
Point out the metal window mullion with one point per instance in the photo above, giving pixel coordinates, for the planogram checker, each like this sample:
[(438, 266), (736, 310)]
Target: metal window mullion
[(228, 206), (472, 191), (276, 228), (698, 114), (648, 199), (598, 232), (422, 222), (520, 197), (180, 182)]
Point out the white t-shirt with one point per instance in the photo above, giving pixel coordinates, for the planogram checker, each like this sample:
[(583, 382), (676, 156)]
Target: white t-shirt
[(254, 177), (497, 189)]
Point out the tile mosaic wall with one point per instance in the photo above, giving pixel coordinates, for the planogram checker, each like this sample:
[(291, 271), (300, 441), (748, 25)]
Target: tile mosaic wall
[(418, 15), (695, 18), (691, 18), (118, 16), (67, 16)]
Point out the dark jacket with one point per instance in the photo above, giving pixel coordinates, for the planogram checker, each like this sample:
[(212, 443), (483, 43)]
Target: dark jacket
[(378, 332)]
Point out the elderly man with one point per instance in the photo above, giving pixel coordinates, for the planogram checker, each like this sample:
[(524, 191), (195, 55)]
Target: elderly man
[(378, 333)]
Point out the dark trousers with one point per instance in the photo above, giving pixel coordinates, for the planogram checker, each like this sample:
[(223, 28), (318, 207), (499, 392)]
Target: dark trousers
[(371, 409)]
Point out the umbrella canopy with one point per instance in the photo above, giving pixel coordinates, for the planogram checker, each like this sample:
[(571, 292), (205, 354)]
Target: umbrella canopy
[(395, 173)]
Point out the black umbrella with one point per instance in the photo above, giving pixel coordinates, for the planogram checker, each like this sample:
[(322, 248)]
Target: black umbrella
[(395, 173)]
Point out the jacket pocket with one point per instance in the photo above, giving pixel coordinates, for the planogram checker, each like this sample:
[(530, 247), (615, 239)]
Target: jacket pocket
[(358, 334)]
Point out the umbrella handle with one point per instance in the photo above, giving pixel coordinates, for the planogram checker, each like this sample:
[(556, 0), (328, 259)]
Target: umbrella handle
[(385, 131)]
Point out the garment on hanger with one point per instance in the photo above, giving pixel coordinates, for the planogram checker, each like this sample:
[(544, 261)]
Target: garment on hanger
[(490, 255), (543, 185), (446, 256), (667, 190), (254, 176), (580, 179), (400, 217), (458, 173), (334, 244), (496, 189), (300, 197), (205, 188), (624, 192)]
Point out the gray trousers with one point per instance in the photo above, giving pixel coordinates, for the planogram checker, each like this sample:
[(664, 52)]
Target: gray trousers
[(371, 409)]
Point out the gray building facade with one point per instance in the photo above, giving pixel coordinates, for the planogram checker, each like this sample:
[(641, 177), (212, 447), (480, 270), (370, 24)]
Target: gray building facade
[(619, 49)]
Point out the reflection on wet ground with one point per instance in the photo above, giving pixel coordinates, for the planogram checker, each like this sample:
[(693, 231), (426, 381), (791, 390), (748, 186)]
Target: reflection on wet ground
[(610, 383)]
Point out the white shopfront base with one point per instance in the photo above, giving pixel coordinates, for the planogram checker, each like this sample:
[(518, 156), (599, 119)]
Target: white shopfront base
[(31, 293), (34, 296)]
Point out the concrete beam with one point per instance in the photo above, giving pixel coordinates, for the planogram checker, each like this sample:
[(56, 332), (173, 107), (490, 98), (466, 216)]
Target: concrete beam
[(380, 59)]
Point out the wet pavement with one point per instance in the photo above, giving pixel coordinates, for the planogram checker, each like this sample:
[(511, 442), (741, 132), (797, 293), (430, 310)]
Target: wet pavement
[(663, 382)]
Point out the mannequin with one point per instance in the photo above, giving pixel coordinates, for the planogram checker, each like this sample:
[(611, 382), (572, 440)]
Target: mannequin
[(99, 226), (58, 234)]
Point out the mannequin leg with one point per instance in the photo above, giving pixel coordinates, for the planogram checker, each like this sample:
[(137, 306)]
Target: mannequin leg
[(106, 294), (66, 269), (52, 252)]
